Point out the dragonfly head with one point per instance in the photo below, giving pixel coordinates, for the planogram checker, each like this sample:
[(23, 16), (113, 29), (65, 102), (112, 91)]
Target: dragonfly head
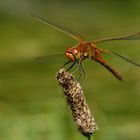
[(72, 54)]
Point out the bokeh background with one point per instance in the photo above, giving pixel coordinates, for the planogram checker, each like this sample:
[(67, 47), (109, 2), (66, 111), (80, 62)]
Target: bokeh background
[(32, 105)]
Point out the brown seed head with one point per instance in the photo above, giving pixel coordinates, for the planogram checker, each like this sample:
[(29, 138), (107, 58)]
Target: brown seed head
[(77, 102)]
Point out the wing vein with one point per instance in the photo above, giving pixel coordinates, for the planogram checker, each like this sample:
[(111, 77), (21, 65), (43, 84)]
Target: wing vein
[(58, 27)]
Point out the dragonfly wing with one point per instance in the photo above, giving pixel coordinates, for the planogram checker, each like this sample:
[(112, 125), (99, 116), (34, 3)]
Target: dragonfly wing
[(125, 58), (100, 60), (60, 28), (53, 59), (112, 70), (135, 36)]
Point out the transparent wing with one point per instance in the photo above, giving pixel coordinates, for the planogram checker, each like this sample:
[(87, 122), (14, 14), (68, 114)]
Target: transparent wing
[(53, 59), (58, 27), (125, 59), (135, 36)]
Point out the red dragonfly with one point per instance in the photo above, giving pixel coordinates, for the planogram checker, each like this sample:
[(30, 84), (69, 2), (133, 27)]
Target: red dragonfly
[(88, 50)]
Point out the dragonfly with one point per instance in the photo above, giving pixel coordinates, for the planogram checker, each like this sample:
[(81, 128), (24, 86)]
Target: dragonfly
[(89, 50)]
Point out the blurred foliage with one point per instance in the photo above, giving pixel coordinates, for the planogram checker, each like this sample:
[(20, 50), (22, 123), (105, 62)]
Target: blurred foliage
[(32, 106)]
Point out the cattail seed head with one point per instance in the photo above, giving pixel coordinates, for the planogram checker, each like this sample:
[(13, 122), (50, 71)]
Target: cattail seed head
[(77, 102)]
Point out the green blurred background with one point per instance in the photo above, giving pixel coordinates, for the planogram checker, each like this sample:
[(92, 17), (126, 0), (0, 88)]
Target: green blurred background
[(32, 105)]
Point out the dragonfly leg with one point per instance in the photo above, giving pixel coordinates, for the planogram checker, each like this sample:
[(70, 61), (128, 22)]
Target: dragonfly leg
[(71, 66), (82, 72), (79, 72), (75, 70), (80, 69), (66, 63)]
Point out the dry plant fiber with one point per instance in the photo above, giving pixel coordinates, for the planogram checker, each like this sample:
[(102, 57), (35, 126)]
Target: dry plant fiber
[(77, 102)]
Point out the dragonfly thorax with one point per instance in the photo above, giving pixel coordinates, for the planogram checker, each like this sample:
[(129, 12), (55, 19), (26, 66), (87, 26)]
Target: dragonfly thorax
[(72, 54)]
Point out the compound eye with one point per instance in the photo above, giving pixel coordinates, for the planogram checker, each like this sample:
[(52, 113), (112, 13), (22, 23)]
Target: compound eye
[(75, 51), (70, 56)]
